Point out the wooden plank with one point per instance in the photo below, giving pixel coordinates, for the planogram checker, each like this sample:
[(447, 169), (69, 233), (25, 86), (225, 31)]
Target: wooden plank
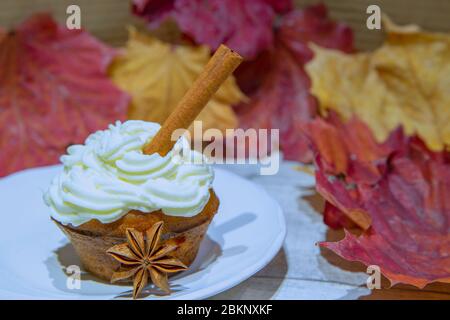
[(290, 289), (298, 289)]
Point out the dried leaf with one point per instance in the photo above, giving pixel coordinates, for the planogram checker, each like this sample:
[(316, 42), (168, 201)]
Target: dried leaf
[(336, 219), (405, 82), (53, 92), (350, 148), (406, 200), (278, 85), (158, 74), (245, 26)]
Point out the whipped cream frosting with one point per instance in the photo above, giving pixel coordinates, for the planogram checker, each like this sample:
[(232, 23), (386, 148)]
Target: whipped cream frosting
[(109, 175)]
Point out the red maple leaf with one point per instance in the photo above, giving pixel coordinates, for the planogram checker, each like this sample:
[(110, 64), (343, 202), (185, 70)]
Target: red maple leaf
[(245, 26), (54, 91), (402, 187), (350, 148), (277, 83)]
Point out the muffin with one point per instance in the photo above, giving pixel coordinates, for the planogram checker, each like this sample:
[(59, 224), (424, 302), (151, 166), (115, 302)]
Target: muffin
[(109, 186)]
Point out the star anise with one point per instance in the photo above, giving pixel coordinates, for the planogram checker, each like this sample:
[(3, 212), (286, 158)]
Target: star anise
[(143, 257)]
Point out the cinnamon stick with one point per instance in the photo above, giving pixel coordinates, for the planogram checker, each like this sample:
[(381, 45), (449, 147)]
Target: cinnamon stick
[(217, 70)]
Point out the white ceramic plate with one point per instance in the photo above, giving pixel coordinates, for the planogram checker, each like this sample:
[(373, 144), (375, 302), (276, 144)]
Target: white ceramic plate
[(244, 236)]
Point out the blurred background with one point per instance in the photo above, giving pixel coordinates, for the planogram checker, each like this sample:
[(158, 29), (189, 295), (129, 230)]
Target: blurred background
[(107, 19)]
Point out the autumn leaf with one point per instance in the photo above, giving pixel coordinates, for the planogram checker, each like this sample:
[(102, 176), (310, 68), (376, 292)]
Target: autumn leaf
[(54, 91), (376, 175), (277, 83), (336, 219), (350, 148), (397, 191), (245, 26), (405, 82), (158, 74)]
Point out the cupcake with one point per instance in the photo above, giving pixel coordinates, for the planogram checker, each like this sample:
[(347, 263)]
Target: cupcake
[(132, 216)]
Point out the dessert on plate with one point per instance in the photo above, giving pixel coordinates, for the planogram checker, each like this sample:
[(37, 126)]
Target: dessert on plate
[(132, 211), (108, 186)]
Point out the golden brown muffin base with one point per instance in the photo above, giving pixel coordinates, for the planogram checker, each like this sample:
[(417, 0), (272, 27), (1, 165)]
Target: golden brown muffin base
[(93, 238)]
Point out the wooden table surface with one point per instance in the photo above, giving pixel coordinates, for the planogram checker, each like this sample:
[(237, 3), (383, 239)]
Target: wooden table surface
[(302, 270)]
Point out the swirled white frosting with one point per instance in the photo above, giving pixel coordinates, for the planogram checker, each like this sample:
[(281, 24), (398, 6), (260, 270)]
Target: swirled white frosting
[(109, 175)]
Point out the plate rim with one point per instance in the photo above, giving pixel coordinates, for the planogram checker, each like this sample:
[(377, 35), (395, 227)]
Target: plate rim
[(199, 294)]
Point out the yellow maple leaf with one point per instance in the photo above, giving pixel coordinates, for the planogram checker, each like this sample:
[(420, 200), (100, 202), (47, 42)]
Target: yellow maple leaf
[(157, 75), (404, 82)]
